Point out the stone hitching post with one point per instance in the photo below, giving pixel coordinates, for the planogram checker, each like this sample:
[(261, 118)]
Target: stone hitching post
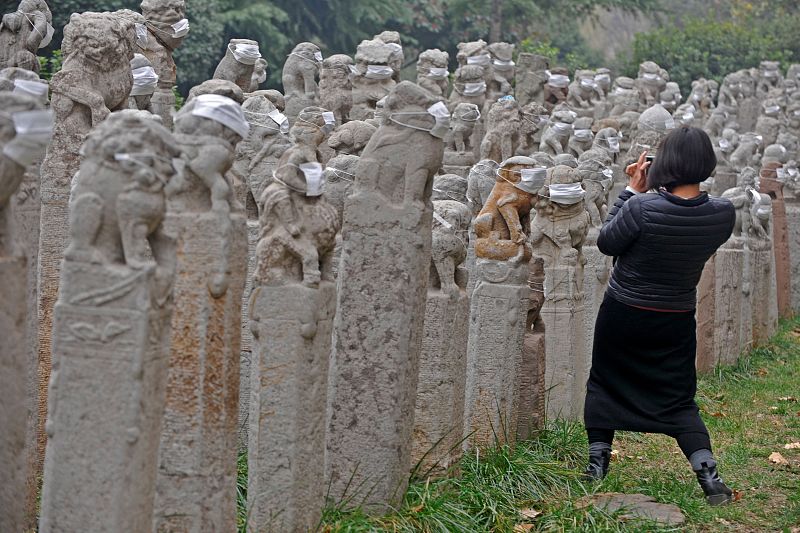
[(25, 131), (196, 489), (439, 413), (499, 305), (291, 318), (95, 79), (383, 279), (111, 333), (558, 233)]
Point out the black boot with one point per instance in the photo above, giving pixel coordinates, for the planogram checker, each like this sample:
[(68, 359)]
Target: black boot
[(599, 457), (716, 491)]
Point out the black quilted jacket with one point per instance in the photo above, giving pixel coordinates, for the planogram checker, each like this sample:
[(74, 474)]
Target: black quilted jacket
[(661, 243)]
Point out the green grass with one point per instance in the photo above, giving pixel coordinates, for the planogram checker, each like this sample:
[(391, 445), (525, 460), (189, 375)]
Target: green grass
[(751, 411)]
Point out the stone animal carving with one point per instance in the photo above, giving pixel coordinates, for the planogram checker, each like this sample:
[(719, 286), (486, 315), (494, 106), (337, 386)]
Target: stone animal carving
[(533, 121), (298, 226), (374, 78), (594, 168), (336, 87), (501, 226), (118, 200), (20, 145), (239, 62), (556, 89), (462, 124), (398, 58), (480, 182), (560, 226), (95, 78), (449, 243), (501, 71), (351, 138), (259, 75), (624, 97), (299, 77), (670, 97), (769, 77), (531, 75), (145, 82), (582, 136), (502, 130), (582, 93), (403, 155), (702, 96), (469, 86), (207, 129), (651, 82), (432, 73), (742, 198), (555, 139), (23, 32), (746, 154)]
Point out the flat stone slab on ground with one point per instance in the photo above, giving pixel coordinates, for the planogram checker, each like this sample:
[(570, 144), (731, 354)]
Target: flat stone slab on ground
[(637, 506)]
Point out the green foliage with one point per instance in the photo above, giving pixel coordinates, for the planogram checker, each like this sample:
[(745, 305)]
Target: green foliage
[(49, 65), (708, 48)]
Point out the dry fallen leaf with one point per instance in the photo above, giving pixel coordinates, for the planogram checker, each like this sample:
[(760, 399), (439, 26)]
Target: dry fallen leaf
[(614, 455), (773, 407), (792, 446), (523, 528), (530, 514), (719, 414), (737, 495), (787, 399), (778, 459), (723, 522), (762, 372), (418, 508)]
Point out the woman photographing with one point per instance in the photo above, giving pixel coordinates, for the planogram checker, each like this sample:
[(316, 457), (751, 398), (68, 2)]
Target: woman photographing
[(643, 375)]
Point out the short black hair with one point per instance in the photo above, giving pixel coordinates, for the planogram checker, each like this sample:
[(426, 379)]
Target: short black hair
[(685, 156)]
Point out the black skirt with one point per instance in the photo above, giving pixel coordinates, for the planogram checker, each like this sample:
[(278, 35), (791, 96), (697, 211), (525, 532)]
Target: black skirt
[(643, 375)]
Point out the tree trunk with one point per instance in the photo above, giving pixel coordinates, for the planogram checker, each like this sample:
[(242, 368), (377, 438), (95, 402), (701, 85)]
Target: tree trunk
[(496, 27)]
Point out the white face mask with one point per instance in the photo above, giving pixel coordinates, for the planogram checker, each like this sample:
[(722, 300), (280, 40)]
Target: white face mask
[(48, 37), (441, 117), (772, 110), (500, 64), (725, 145), (769, 73), (475, 89), (608, 173), (223, 110), (246, 54), (561, 128), (482, 60), (353, 70), (279, 119), (613, 144), (558, 80), (602, 78), (566, 193), (37, 89), (532, 179), (141, 35), (318, 56), (330, 121), (651, 77), (379, 72), (315, 178), (588, 83), (33, 132), (438, 73), (262, 77), (180, 28), (473, 115), (145, 81), (583, 135)]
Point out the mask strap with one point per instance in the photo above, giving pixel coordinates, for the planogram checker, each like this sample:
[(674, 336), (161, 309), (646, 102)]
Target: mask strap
[(301, 56), (339, 173), (391, 117)]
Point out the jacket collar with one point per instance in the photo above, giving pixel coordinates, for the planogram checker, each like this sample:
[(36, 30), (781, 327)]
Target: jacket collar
[(700, 199)]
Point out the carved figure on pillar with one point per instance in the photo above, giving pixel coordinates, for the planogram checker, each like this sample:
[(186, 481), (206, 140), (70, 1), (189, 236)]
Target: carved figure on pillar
[(23, 33), (432, 73), (502, 70), (336, 87), (300, 72), (531, 76), (555, 138), (374, 78), (239, 63), (651, 82), (502, 130), (556, 89), (582, 136)]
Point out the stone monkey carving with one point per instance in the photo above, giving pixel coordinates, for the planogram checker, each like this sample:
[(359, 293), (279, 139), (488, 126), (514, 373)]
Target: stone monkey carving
[(259, 75), (298, 226), (336, 87), (742, 198), (23, 32), (432, 73), (582, 137), (238, 63), (502, 130), (462, 124), (449, 243), (531, 75), (555, 139), (594, 168), (351, 138), (501, 71), (469, 86), (299, 77)]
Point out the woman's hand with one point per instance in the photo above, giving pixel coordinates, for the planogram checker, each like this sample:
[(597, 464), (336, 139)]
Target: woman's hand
[(638, 174)]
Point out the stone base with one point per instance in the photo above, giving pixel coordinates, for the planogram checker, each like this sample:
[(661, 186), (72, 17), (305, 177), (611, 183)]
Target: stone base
[(498, 312), (292, 340), (439, 412), (383, 278), (14, 362), (196, 488), (565, 344), (110, 360), (458, 170)]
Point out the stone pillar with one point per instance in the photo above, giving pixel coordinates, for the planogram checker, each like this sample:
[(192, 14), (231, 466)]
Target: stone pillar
[(565, 324), (439, 412), (498, 313), (292, 328), (597, 272), (111, 335), (110, 85), (705, 313), (383, 278), (196, 484), (763, 284), (246, 355), (793, 226), (530, 385), (291, 313), (780, 241)]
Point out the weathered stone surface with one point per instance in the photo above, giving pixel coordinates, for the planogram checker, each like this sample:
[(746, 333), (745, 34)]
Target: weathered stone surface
[(530, 78), (197, 455), (530, 386), (300, 72), (383, 280), (793, 225), (239, 63), (111, 333), (336, 87), (90, 85), (432, 72), (780, 239), (23, 33), (373, 77)]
